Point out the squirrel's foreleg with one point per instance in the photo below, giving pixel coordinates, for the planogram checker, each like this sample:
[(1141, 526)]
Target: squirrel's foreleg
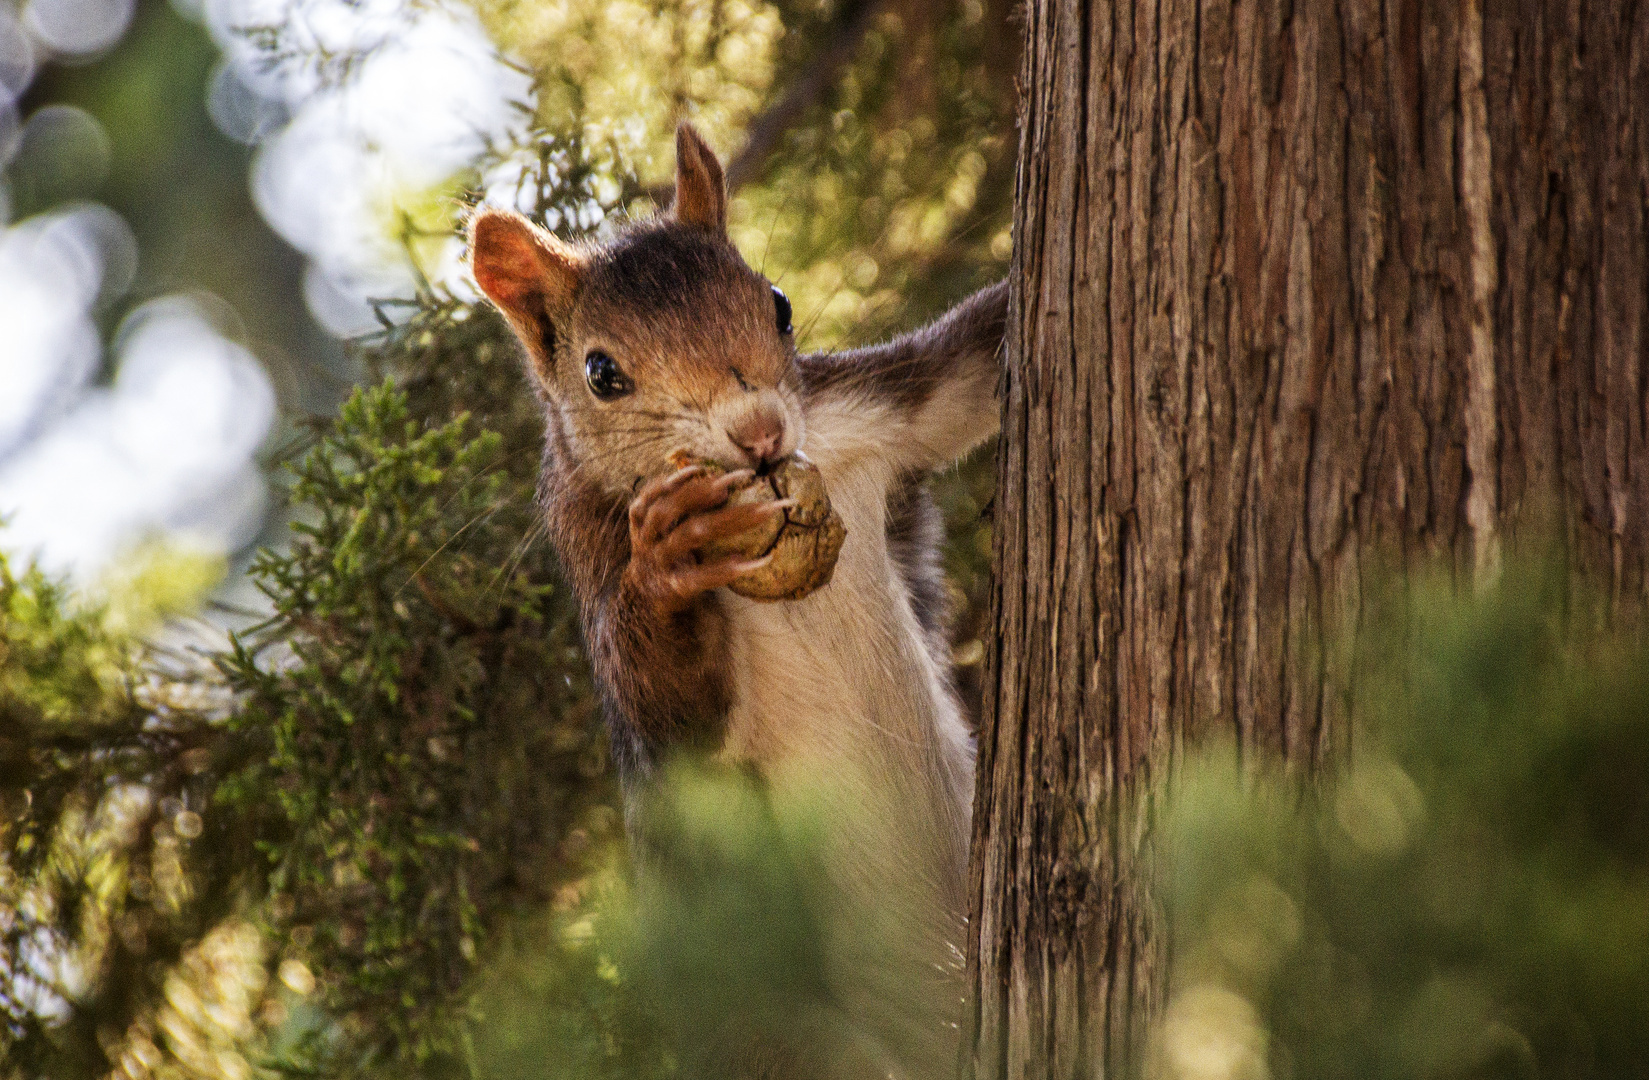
[(664, 674), (919, 401), (655, 631)]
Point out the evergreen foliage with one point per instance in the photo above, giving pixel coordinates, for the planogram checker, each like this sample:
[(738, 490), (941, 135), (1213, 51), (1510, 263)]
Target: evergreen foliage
[(1470, 898), (431, 747)]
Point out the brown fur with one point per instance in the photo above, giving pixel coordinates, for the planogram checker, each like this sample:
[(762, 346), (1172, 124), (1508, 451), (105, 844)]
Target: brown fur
[(906, 371), (663, 678)]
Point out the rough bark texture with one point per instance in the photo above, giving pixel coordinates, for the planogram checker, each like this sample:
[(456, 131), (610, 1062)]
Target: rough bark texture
[(1305, 294)]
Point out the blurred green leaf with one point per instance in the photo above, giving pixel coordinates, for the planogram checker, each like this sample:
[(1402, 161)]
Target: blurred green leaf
[(1468, 896)]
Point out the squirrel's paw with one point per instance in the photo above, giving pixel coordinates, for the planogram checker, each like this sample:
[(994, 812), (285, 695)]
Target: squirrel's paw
[(673, 518)]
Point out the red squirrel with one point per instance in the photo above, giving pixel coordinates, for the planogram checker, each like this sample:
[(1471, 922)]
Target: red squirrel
[(663, 340)]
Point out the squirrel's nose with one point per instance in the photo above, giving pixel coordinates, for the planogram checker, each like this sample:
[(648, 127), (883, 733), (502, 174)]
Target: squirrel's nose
[(759, 437)]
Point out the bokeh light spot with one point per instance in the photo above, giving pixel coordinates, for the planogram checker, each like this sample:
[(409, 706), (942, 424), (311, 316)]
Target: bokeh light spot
[(78, 27), (239, 110), (1377, 806), (16, 58), (1211, 1033), (64, 154)]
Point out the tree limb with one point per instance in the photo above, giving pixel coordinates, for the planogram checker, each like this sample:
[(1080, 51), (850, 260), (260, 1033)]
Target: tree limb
[(814, 81)]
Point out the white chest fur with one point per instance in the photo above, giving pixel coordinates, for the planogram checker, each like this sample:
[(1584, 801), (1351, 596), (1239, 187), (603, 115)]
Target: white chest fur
[(837, 698)]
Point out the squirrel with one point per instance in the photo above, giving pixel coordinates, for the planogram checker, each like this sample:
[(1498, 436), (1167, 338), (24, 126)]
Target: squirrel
[(662, 339)]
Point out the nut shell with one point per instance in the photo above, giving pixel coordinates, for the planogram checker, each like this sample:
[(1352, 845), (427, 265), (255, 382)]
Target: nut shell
[(804, 542)]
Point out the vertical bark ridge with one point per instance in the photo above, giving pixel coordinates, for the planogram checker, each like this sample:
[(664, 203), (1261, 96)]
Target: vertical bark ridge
[(1482, 419)]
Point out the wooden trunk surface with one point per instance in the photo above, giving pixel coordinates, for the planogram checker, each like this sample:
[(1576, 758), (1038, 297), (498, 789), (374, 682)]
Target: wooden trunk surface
[(1305, 295)]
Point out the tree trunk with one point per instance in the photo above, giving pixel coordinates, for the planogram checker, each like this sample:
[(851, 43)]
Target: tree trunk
[(1304, 295)]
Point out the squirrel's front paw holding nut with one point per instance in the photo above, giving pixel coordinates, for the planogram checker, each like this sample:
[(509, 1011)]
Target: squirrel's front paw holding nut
[(675, 516)]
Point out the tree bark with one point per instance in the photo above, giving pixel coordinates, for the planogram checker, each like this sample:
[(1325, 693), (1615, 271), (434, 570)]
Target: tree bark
[(1304, 295)]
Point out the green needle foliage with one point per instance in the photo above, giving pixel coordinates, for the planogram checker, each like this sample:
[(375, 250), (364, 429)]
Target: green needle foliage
[(431, 744), (1470, 898)]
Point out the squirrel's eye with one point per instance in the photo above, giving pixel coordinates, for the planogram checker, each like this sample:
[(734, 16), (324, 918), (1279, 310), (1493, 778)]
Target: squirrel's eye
[(781, 310), (605, 378)]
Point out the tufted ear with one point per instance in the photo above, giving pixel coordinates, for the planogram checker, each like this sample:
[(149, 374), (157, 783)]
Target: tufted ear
[(701, 191), (529, 274)]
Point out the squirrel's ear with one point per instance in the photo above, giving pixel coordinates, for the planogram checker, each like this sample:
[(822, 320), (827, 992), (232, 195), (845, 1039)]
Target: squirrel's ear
[(529, 274), (701, 192)]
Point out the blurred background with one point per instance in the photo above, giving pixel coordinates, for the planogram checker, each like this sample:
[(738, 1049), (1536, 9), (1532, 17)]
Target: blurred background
[(202, 199)]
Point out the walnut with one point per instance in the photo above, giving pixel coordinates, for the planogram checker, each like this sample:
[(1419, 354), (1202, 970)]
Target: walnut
[(804, 542)]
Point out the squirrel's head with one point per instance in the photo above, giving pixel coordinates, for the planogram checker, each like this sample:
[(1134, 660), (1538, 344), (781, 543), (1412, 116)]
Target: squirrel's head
[(662, 339)]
